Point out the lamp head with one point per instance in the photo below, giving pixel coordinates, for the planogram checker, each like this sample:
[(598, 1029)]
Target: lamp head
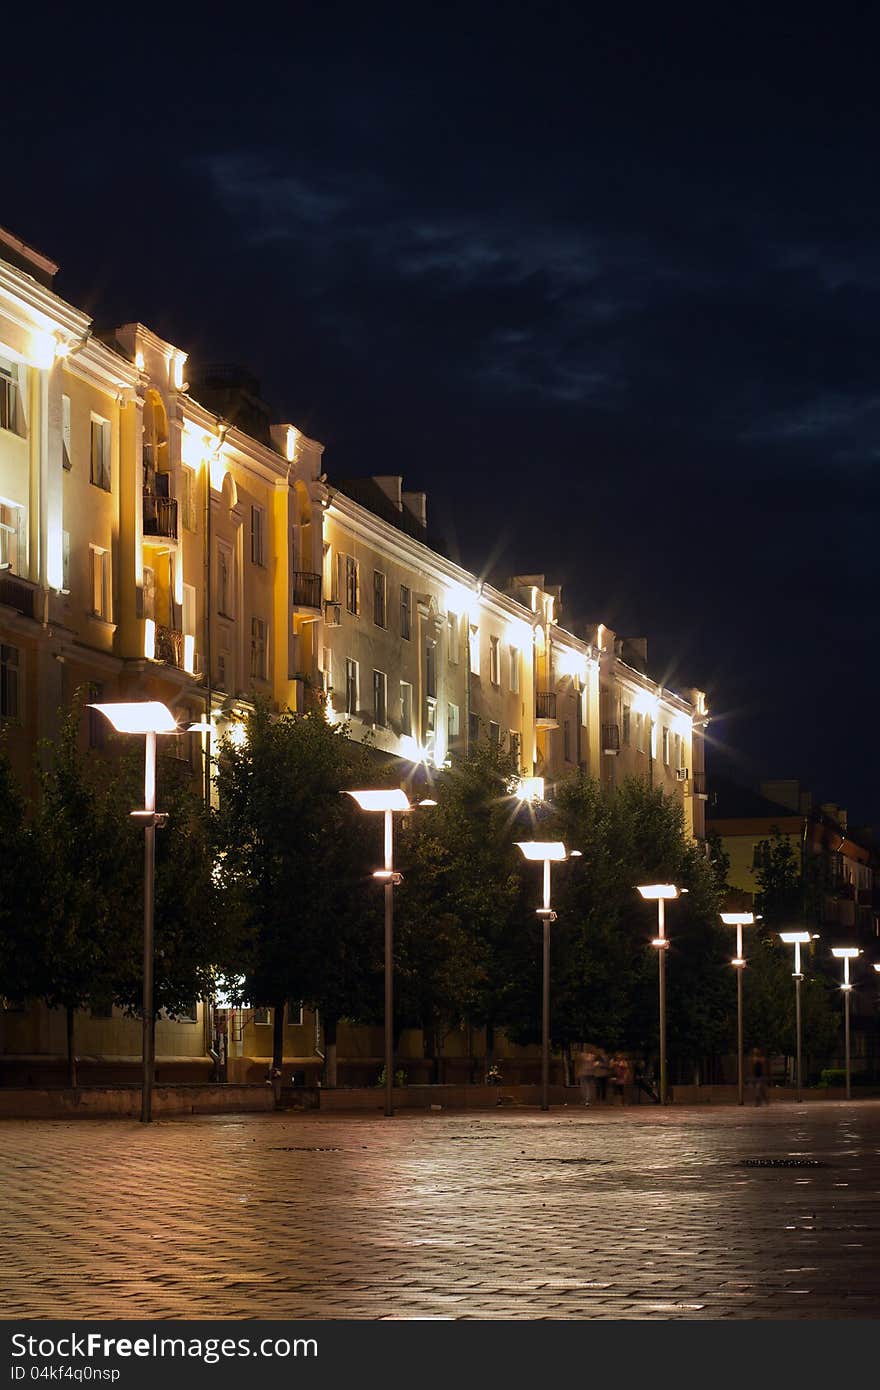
[(845, 952), (139, 717), (653, 891), (386, 799), (738, 919), (794, 938), (542, 849)]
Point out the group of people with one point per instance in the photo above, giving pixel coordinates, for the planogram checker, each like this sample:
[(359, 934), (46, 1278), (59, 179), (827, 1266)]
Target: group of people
[(603, 1078)]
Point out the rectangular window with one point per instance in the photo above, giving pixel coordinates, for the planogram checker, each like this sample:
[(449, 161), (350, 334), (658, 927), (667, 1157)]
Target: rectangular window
[(452, 637), (97, 722), (665, 745), (294, 1013), (327, 669), (494, 733), (100, 582), (405, 612), (189, 610), (351, 686), (13, 538), (12, 416), (566, 740), (453, 723), (352, 585), (431, 670), (188, 482), (627, 725), (225, 597), (474, 648), (99, 469), (258, 535), (495, 660), (380, 698), (640, 733), (258, 649), (406, 709), (514, 670), (65, 561), (473, 728), (262, 1017), (678, 761), (65, 431), (9, 681), (515, 745), (379, 591)]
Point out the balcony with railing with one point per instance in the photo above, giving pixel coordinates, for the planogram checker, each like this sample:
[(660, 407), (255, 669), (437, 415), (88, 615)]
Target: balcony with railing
[(169, 646), (545, 709), (18, 593), (306, 590), (610, 738), (160, 517)]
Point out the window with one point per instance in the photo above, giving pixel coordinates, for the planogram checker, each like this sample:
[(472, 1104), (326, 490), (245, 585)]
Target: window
[(405, 612), (188, 616), (515, 745), (666, 745), (640, 733), (188, 482), (473, 728), (514, 670), (258, 649), (12, 416), (406, 708), (453, 723), (294, 1013), (100, 582), (65, 431), (452, 637), (327, 669), (431, 671), (188, 1014), (379, 590), (99, 472), (65, 561), (627, 724), (224, 580), (474, 648), (9, 681), (352, 585), (351, 686), (566, 740), (258, 535), (13, 534), (678, 762), (430, 724), (495, 660), (380, 698), (262, 1017), (494, 733)]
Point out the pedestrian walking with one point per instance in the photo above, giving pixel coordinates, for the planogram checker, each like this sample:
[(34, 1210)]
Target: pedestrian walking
[(620, 1078), (601, 1070), (585, 1066), (759, 1076)]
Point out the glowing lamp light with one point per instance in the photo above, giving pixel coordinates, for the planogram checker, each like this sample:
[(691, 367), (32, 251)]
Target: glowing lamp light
[(536, 850), (149, 639), (645, 703), (290, 443), (877, 966), (42, 353), (739, 919), (139, 360), (682, 724), (389, 799), (139, 717), (218, 470), (530, 789), (845, 952), (795, 938), (462, 601), (519, 634), (189, 654), (571, 663), (653, 891), (238, 735), (427, 801)]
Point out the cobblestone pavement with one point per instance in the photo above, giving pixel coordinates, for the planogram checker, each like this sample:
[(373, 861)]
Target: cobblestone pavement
[(596, 1213)]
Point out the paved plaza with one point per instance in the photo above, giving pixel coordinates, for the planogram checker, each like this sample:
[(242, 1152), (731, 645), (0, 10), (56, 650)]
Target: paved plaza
[(580, 1213)]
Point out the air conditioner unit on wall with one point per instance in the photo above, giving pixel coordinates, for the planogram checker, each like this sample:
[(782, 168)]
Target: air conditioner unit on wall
[(332, 614), (681, 773)]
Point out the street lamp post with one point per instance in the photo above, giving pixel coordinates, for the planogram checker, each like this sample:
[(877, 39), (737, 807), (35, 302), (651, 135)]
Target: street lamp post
[(147, 717), (846, 954), (544, 851), (387, 801), (739, 920), (797, 939), (661, 893)]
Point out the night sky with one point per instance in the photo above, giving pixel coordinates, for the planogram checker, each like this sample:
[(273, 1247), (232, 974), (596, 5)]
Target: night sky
[(608, 289)]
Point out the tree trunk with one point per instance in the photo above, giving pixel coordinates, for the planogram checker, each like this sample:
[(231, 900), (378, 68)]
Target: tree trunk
[(490, 1046), (566, 1064), (278, 1035), (71, 1051), (330, 1068)]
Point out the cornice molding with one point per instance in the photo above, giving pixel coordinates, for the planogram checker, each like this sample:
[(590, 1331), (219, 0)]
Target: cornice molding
[(34, 306)]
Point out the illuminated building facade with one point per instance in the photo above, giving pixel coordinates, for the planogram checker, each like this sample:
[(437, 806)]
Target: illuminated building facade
[(166, 541)]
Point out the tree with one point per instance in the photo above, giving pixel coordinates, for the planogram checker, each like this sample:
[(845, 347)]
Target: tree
[(18, 884), (88, 888), (297, 851)]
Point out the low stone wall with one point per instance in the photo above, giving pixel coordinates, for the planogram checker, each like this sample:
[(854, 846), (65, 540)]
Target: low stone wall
[(447, 1097), (729, 1095), (125, 1101)]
